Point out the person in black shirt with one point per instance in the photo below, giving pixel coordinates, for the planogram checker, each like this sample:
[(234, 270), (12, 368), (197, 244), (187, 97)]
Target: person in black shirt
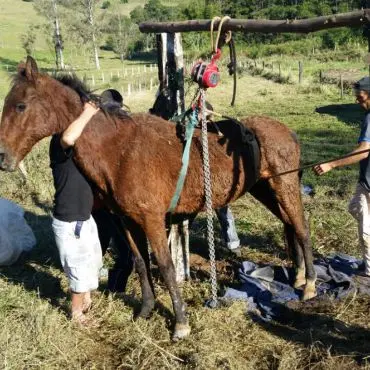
[(75, 231), (109, 225)]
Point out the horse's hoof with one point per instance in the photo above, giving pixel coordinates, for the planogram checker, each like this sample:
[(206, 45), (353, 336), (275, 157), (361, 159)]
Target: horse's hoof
[(299, 283), (181, 331), (145, 312), (309, 291), (309, 295)]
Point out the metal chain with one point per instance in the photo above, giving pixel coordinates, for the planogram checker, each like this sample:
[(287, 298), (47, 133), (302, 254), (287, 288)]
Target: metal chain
[(208, 198)]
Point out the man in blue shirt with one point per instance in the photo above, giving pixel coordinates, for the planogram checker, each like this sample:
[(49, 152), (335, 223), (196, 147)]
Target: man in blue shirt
[(359, 206)]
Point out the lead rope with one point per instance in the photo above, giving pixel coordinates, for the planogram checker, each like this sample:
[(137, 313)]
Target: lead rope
[(208, 201)]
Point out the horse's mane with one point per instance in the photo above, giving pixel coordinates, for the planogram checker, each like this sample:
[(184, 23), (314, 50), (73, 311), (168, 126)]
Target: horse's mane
[(85, 94)]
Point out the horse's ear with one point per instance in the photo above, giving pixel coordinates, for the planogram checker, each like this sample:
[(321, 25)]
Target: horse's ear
[(31, 70)]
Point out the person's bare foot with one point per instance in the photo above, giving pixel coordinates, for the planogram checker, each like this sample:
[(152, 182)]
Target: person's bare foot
[(87, 302), (79, 318)]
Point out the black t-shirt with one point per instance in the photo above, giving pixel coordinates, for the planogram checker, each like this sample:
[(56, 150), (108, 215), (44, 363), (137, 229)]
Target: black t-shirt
[(73, 199)]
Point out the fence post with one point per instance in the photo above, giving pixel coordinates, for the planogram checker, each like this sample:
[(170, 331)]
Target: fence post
[(128, 89), (300, 71), (171, 76), (279, 65), (341, 86), (320, 76)]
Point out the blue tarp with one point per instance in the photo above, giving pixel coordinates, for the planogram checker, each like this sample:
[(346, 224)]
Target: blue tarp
[(266, 288)]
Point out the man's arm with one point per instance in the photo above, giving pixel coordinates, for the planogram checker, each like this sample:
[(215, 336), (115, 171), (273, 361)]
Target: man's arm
[(323, 168), (74, 130)]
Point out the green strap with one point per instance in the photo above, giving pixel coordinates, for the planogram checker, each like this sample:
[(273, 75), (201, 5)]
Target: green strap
[(185, 159)]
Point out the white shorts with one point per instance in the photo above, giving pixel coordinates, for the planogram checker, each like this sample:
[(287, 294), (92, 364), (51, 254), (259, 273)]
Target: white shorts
[(81, 257)]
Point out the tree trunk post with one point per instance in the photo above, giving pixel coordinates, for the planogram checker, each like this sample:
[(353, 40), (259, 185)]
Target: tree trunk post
[(171, 77), (300, 72)]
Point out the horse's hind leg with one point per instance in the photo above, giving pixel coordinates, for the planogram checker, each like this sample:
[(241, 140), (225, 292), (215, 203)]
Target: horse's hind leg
[(138, 243), (296, 254), (156, 233), (263, 192), (288, 194)]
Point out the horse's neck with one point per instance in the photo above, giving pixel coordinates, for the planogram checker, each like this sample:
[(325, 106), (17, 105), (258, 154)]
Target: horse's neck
[(64, 110)]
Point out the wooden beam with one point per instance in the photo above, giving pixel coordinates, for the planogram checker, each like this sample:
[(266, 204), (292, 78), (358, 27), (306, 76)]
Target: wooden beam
[(352, 19)]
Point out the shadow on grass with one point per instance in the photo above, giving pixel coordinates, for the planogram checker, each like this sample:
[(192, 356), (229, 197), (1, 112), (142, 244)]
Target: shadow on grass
[(351, 114), (31, 269), (321, 330)]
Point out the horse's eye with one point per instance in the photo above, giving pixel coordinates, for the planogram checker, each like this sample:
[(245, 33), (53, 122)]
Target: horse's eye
[(20, 107)]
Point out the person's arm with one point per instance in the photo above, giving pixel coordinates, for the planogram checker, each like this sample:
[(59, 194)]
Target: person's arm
[(325, 167), (74, 130)]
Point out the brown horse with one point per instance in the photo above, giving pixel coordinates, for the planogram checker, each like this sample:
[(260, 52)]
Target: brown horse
[(134, 162)]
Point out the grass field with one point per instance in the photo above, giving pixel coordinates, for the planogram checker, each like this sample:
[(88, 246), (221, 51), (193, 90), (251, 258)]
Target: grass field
[(332, 334)]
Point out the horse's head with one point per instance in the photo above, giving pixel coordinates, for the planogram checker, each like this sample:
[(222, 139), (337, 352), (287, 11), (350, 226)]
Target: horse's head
[(30, 113)]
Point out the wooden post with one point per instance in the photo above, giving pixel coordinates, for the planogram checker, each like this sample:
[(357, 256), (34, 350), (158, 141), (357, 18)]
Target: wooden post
[(171, 77), (179, 237), (341, 86), (300, 72), (320, 76), (279, 69)]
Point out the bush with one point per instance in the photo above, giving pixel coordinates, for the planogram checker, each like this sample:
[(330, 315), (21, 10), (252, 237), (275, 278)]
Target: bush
[(123, 1), (105, 5)]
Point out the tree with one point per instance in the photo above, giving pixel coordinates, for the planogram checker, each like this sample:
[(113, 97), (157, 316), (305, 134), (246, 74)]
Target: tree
[(28, 40), (49, 10), (123, 33), (83, 25)]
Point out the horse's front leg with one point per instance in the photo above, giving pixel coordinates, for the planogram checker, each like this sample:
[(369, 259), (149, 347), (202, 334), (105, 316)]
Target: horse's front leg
[(156, 232)]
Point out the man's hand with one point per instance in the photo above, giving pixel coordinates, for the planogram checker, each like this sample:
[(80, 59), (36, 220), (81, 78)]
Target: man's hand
[(91, 108), (74, 130), (320, 169)]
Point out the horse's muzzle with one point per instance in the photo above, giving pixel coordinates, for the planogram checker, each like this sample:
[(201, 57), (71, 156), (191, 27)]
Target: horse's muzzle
[(7, 163)]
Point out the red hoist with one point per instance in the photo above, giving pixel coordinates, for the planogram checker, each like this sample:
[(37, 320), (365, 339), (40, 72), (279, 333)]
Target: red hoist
[(207, 74)]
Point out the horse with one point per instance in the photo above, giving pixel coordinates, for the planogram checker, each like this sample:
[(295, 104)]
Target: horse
[(133, 160)]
